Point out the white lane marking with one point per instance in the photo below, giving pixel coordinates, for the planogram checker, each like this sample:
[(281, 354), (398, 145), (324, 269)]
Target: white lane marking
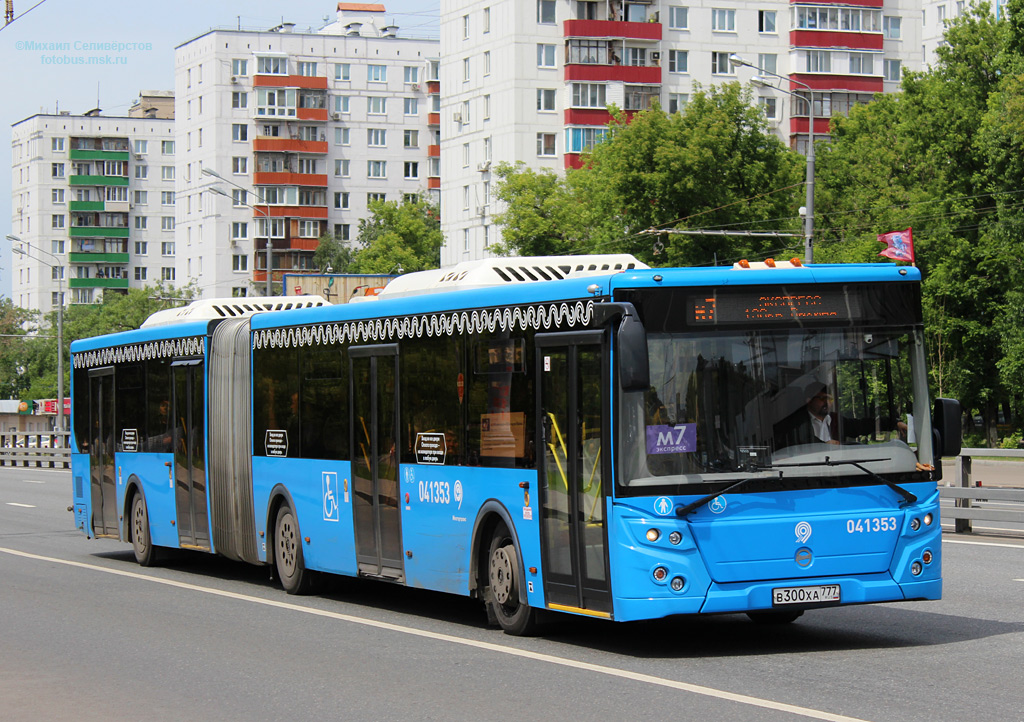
[(32, 481), (23, 506), (451, 639), (982, 544)]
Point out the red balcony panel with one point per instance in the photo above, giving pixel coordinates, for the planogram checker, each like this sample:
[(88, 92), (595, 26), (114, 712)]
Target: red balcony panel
[(433, 119), (289, 179), (852, 83), (587, 116), (289, 145), (822, 126), (289, 81), (835, 39), (311, 113), (573, 160), (612, 29), (858, 3), (305, 244), (433, 151), (433, 182), (626, 73), (313, 212), (433, 87)]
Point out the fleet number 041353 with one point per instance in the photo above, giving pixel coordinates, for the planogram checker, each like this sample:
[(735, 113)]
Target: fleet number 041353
[(865, 526)]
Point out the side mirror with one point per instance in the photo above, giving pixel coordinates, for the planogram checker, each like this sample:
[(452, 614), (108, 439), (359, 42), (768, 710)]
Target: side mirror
[(631, 346), (946, 422)]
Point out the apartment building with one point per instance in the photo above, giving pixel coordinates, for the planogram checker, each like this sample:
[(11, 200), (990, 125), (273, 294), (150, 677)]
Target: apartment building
[(302, 130), (93, 200), (530, 81)]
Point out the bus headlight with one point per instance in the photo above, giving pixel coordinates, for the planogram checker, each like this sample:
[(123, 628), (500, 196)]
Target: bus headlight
[(653, 534)]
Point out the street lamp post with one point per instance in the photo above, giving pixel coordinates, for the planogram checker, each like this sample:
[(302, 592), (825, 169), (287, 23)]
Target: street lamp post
[(59, 265), (809, 180), (270, 243)]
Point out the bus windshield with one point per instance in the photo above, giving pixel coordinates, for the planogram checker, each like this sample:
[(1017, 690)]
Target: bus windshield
[(728, 406)]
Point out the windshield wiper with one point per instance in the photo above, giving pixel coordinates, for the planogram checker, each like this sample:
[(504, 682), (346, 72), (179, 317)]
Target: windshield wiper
[(908, 497), (694, 505)]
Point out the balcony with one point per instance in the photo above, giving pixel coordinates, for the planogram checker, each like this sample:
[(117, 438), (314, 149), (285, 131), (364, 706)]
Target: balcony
[(315, 212), (841, 39), (98, 283), (85, 206), (289, 145), (433, 182), (433, 151), (96, 257), (433, 119), (98, 232), (433, 87), (97, 180), (312, 114), (632, 74), (851, 83), (289, 179), (290, 81), (75, 154), (612, 29)]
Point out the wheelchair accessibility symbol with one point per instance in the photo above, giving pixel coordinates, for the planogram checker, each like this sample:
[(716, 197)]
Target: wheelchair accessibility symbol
[(330, 487), (717, 505)]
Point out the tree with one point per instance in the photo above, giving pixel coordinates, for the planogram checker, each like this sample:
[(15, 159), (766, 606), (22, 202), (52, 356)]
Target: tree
[(406, 235), (333, 253), (17, 350)]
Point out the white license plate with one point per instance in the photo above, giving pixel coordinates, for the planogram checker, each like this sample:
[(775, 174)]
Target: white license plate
[(805, 595)]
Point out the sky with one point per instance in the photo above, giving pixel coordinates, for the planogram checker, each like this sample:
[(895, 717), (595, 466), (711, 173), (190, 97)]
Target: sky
[(31, 85)]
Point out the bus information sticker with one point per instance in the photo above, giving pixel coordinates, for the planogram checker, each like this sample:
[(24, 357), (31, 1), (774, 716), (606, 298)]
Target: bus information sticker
[(129, 439), (276, 442), (678, 439), (431, 448)]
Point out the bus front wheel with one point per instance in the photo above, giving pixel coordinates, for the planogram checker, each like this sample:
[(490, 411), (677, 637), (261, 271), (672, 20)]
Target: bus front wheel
[(512, 615), (291, 569), (142, 543)]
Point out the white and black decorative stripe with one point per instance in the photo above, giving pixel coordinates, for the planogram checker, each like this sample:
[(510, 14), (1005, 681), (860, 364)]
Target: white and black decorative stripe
[(167, 348), (562, 315)]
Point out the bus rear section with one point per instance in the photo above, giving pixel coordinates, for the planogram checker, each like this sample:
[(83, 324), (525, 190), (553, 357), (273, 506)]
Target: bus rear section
[(781, 455)]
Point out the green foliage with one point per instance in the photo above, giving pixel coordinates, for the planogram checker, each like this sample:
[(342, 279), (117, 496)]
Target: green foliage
[(333, 253), (406, 235)]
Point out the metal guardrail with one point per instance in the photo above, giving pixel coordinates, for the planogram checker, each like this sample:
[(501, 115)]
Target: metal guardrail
[(38, 450), (965, 492)]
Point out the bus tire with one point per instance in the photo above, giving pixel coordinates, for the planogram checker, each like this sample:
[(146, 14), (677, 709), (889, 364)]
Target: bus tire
[(513, 616), (142, 542), (775, 617), (291, 570)]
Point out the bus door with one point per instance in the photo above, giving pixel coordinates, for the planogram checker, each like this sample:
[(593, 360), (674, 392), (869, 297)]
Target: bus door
[(101, 453), (374, 425), (189, 457), (571, 407)]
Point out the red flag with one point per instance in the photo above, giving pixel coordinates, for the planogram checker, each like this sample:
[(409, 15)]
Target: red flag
[(900, 245)]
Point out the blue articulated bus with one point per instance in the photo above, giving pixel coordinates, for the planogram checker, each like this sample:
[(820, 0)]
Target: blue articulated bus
[(579, 434)]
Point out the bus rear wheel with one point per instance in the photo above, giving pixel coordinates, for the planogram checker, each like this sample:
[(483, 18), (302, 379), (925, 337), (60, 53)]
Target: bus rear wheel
[(142, 543), (513, 616), (291, 570)]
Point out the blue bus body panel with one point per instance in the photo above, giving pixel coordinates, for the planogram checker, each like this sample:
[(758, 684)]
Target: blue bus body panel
[(733, 555), (438, 521), (321, 496), (149, 471), (81, 492), (142, 335)]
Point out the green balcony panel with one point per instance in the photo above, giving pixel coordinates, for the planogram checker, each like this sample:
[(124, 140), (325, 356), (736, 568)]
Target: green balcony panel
[(85, 205), (97, 180), (98, 232), (98, 283), (97, 257), (97, 154)]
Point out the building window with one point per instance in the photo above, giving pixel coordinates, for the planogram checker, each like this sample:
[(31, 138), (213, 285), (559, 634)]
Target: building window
[(891, 27), (677, 101), (239, 262), (376, 169), (141, 172), (678, 61), (678, 18), (272, 66), (893, 70), (140, 223), (723, 20), (239, 132), (768, 62), (278, 102), (487, 148), (411, 138), (545, 99), (487, 20), (167, 273), (376, 137), (375, 198), (239, 231), (57, 195), (545, 144), (465, 239), (588, 95), (167, 223), (141, 248), (545, 56), (465, 70), (309, 229), (167, 147), (487, 62), (412, 106), (581, 139), (412, 170), (56, 170), (819, 61), (141, 147), (141, 198), (376, 105), (341, 201), (342, 103), (546, 12), (57, 144), (57, 221), (720, 64), (465, 155), (239, 197), (342, 71), (411, 74), (341, 168), (167, 248), (167, 172), (307, 69), (861, 64), (465, 27), (766, 21), (239, 165), (239, 66), (342, 231), (377, 73), (342, 136), (239, 100), (636, 57), (117, 193), (769, 106), (140, 273)]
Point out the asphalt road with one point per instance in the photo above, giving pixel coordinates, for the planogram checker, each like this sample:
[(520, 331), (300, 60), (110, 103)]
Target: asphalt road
[(86, 634)]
